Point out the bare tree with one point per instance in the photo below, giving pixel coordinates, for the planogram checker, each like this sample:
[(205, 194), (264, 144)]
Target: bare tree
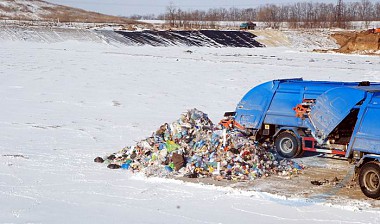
[(365, 9), (377, 11), (339, 14), (170, 14), (296, 15)]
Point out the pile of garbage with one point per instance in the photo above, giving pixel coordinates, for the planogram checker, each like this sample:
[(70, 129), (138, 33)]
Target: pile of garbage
[(194, 147)]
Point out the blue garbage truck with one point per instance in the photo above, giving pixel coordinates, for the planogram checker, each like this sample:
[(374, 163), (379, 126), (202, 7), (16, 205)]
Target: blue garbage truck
[(296, 115)]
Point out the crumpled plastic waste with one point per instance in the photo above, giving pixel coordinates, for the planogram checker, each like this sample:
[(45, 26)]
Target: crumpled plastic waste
[(335, 181), (194, 147)]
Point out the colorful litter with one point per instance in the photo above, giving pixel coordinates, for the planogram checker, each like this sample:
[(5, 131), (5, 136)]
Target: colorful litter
[(194, 147)]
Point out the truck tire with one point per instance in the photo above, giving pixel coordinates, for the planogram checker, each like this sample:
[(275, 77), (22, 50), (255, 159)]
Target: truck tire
[(287, 144), (369, 179)]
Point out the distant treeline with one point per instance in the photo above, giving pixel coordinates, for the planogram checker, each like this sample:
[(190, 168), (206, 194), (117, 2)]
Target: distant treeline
[(295, 15)]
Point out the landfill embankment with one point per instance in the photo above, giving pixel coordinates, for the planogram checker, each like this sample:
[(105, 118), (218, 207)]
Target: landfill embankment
[(197, 38), (294, 39), (200, 38)]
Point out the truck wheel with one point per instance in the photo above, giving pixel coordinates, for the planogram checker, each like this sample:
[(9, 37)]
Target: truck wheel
[(369, 180), (287, 144)]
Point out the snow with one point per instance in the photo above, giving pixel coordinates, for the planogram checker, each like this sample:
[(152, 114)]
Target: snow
[(67, 102), (33, 10), (311, 39)]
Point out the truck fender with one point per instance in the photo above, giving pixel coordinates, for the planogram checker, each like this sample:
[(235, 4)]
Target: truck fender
[(366, 158), (292, 129)]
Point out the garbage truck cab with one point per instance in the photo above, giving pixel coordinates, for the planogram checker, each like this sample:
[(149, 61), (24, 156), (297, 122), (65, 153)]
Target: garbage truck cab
[(341, 118)]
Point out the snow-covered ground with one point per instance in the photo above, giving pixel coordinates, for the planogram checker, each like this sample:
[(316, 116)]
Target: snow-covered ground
[(32, 10), (63, 104)]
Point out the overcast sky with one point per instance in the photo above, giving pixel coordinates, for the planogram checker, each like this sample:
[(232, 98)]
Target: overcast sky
[(143, 7)]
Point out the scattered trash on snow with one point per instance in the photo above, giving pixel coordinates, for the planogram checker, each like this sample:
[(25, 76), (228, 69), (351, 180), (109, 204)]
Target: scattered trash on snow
[(17, 156), (332, 182), (194, 147)]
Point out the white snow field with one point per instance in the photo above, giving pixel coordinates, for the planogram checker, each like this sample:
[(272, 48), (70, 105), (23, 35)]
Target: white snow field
[(63, 104)]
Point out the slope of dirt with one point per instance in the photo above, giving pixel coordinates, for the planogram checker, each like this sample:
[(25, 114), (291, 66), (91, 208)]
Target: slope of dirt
[(298, 39), (358, 42), (271, 38), (42, 10)]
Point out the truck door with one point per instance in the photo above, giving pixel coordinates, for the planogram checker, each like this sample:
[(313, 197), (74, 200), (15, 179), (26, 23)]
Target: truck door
[(330, 109), (367, 138)]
